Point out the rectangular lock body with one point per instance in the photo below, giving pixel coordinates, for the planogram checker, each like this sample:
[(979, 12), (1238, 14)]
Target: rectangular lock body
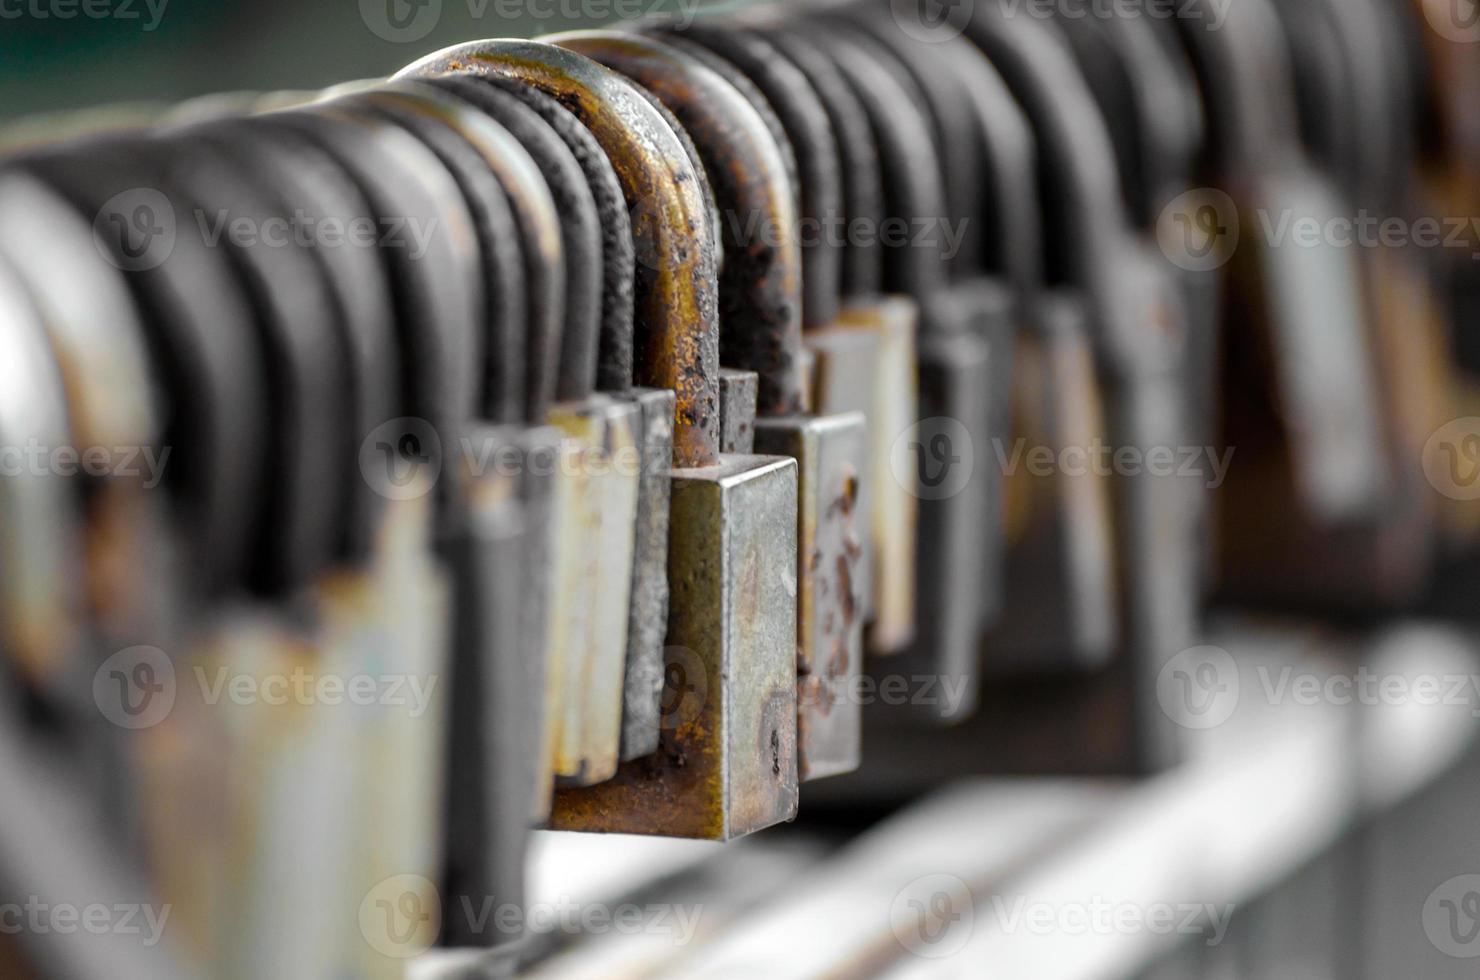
[(494, 732), (738, 391), (842, 369), (537, 462), (894, 399), (726, 764), (831, 453), (642, 693), (595, 554)]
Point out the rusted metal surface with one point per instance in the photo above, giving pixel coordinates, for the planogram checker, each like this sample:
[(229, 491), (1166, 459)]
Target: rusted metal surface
[(677, 346), (726, 765), (737, 401), (803, 118), (760, 283)]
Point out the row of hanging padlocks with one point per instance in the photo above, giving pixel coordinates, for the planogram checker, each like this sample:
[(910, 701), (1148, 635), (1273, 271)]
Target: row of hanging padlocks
[(573, 432)]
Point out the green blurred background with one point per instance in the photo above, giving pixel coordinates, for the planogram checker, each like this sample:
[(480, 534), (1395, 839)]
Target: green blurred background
[(65, 54)]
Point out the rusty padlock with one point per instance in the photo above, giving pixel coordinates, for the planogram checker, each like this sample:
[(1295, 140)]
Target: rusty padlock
[(760, 330), (727, 762)]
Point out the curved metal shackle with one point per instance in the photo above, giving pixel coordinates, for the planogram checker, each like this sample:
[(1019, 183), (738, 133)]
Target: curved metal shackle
[(819, 169), (761, 279), (678, 341), (912, 172)]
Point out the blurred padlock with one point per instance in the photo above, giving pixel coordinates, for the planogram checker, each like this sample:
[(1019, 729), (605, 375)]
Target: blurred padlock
[(727, 763)]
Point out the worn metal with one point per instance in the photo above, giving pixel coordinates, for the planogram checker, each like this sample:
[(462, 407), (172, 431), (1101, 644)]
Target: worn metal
[(737, 402), (677, 343), (760, 329), (727, 763), (649, 609), (865, 360)]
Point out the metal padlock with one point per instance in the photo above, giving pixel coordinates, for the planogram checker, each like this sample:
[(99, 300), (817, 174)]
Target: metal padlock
[(937, 451), (1315, 436), (649, 612), (863, 358), (204, 349), (437, 303), (726, 765), (760, 329)]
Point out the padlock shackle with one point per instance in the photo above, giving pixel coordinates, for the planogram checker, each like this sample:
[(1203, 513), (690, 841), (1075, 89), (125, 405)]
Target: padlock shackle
[(503, 385), (677, 343), (819, 169), (911, 169), (997, 194), (862, 272), (761, 279)]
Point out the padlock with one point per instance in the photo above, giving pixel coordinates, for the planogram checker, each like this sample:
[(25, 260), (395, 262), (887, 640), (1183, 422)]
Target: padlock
[(863, 358), (208, 368), (1355, 125), (649, 613), (937, 451), (726, 765), (760, 329), (1306, 437), (437, 301)]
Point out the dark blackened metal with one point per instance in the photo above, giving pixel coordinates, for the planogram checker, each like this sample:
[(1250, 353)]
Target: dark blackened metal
[(311, 183), (760, 309), (677, 346), (427, 115), (863, 183), (614, 359), (208, 359), (573, 351)]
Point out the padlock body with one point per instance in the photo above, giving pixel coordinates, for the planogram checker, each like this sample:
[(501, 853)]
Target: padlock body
[(726, 763)]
